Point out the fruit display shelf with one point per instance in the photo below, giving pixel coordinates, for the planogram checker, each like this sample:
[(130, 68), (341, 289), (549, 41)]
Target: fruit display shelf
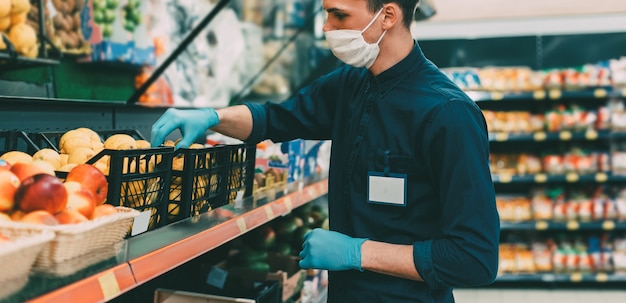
[(144, 257)]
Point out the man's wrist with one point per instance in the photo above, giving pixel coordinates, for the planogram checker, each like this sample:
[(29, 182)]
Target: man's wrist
[(358, 247)]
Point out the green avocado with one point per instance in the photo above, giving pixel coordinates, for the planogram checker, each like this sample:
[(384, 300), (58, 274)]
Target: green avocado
[(281, 248)]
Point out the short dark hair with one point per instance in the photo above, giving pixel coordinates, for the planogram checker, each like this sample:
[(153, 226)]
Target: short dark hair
[(406, 6)]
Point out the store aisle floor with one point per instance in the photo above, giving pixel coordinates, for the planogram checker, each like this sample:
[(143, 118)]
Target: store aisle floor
[(492, 295)]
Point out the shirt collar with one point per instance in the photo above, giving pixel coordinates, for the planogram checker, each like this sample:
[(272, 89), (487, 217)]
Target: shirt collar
[(391, 77)]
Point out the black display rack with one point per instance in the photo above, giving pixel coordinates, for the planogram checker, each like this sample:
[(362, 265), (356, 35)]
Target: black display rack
[(10, 59)]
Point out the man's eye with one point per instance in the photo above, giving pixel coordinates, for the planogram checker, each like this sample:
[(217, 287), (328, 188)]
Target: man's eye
[(340, 16)]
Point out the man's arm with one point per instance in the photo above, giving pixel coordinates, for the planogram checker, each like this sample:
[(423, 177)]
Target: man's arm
[(389, 259), (235, 122)]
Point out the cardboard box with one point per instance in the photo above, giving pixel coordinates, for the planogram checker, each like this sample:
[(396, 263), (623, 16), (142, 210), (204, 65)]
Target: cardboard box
[(283, 269), (174, 296)]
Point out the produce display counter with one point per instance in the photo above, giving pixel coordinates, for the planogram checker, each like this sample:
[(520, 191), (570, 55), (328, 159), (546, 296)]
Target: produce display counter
[(143, 257)]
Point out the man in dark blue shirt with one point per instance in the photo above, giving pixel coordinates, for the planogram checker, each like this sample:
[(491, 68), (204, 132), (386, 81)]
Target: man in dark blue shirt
[(411, 203)]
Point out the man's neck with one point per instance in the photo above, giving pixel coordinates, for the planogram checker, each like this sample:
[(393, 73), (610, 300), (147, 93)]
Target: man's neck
[(393, 48)]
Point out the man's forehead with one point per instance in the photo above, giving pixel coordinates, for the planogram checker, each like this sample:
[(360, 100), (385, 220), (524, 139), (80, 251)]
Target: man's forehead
[(342, 4)]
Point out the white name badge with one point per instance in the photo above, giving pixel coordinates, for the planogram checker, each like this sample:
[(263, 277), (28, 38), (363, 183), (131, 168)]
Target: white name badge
[(387, 189)]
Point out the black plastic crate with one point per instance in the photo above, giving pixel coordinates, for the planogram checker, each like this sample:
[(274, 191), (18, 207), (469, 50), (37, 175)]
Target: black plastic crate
[(11, 140), (241, 162), (138, 178), (197, 181), (207, 178)]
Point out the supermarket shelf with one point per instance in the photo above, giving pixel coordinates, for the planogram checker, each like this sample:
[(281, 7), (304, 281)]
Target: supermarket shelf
[(100, 287), (567, 278), (590, 135), (547, 94), (7, 61), (566, 178), (154, 253), (151, 265), (563, 225)]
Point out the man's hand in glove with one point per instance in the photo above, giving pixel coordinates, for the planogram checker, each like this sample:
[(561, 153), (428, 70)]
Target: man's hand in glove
[(323, 249), (192, 124)]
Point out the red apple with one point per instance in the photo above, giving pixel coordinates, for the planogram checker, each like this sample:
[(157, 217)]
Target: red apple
[(40, 217), (4, 165), (25, 170), (9, 183), (104, 210), (92, 178), (80, 198), (70, 216), (41, 192)]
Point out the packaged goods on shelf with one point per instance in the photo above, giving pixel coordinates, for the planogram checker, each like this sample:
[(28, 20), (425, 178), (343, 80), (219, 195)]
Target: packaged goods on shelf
[(563, 254), (560, 204), (561, 117), (514, 208), (519, 78), (574, 161), (116, 31), (618, 71)]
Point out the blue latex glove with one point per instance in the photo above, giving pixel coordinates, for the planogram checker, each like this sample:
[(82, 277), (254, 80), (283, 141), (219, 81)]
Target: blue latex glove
[(192, 124), (323, 249)]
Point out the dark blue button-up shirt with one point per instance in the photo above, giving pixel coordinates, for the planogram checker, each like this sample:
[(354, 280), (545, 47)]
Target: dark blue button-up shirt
[(410, 119)]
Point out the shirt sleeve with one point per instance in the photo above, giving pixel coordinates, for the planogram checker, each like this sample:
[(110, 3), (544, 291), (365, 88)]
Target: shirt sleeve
[(307, 115), (456, 149)]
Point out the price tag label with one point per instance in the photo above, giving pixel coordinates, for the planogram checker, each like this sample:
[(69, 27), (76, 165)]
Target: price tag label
[(541, 225), (591, 135), (602, 277), (541, 178), (608, 225), (109, 286), (141, 223), (540, 136), (601, 177), (571, 177), (565, 135), (239, 196), (241, 223), (555, 94), (497, 96), (577, 277), (539, 94), (500, 137), (269, 212), (600, 93), (572, 225), (505, 178), (288, 204)]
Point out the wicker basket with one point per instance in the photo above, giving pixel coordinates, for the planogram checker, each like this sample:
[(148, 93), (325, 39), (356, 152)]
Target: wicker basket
[(78, 239), (99, 258), (18, 255)]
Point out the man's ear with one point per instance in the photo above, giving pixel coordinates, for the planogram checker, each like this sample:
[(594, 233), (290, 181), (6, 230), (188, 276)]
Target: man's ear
[(391, 15)]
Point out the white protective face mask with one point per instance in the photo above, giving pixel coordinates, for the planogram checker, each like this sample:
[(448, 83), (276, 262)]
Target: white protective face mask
[(350, 47)]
